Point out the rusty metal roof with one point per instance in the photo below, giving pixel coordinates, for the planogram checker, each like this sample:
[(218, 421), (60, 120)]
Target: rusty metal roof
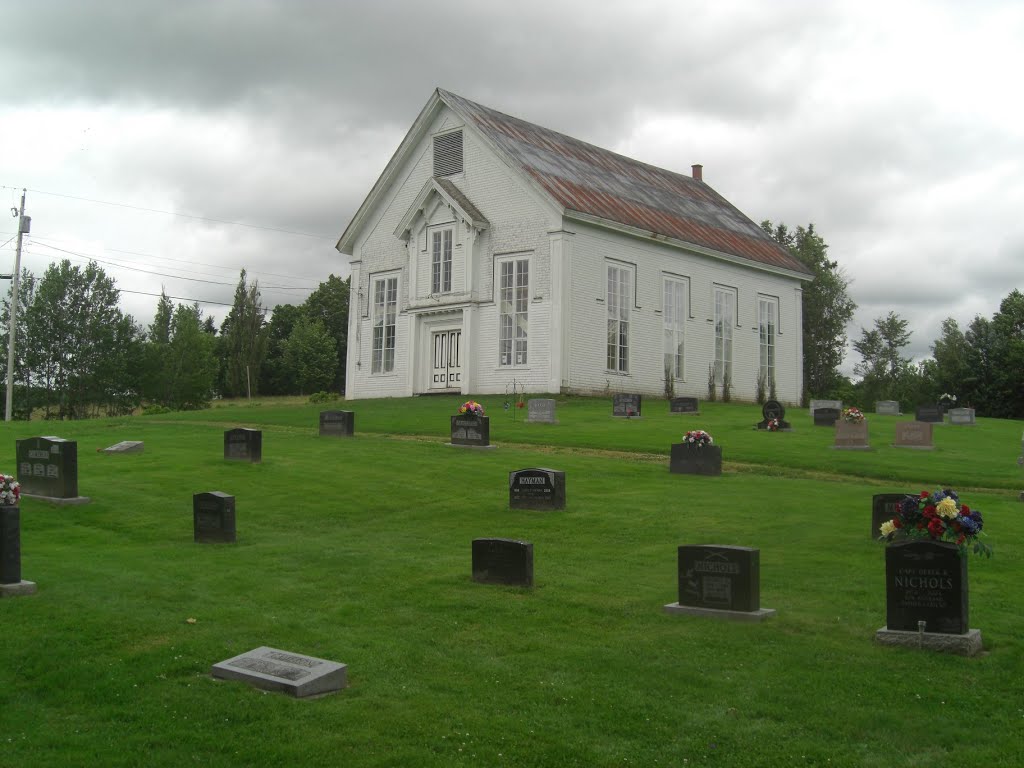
[(599, 183)]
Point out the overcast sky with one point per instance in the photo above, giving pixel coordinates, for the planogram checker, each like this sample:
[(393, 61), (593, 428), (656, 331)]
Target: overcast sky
[(149, 132)]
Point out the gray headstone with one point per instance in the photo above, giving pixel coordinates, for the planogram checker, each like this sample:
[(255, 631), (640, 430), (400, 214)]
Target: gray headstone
[(471, 430), (126, 446), (503, 561), (930, 413), (48, 468), (213, 517), (914, 434), (887, 408), (541, 411), (626, 405), (337, 423), (536, 488), (684, 405), (243, 445), (961, 416), (275, 670), (834, 404)]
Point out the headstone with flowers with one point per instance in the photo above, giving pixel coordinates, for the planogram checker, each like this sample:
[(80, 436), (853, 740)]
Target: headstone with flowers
[(626, 406), (926, 585), (697, 454), (852, 431), (470, 427), (11, 583), (773, 417)]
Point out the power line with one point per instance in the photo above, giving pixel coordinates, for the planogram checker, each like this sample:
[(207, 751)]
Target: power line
[(179, 298), (182, 215)]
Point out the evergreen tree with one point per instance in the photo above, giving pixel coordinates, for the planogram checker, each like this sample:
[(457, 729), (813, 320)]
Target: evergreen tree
[(244, 341)]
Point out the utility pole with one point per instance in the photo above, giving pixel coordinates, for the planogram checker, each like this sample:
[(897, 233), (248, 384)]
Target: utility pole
[(24, 226)]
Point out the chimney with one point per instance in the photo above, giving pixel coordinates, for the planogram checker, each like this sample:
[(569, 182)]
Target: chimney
[(698, 172)]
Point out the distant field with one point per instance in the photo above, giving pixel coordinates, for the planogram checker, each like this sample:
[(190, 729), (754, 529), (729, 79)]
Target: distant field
[(358, 550)]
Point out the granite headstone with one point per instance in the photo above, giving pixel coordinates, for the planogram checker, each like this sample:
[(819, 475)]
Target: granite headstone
[(826, 417), (914, 434), (929, 413), (272, 669), (691, 459), (10, 545), (48, 467), (851, 436), (503, 561), (962, 416), (536, 488), (626, 405), (884, 507), (684, 405), (887, 408), (337, 423), (716, 579), (471, 430), (773, 409), (243, 445), (926, 581), (213, 517), (541, 411)]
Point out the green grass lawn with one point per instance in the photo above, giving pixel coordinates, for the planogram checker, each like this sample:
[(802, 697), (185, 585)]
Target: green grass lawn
[(358, 550)]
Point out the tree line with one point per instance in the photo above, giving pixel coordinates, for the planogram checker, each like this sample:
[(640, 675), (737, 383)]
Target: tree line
[(978, 367), (77, 355)]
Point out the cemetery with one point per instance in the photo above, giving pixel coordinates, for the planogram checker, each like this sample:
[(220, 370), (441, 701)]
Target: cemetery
[(448, 607)]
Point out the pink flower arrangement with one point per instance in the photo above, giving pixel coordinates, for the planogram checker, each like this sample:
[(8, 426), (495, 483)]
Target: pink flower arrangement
[(472, 407), (698, 438)]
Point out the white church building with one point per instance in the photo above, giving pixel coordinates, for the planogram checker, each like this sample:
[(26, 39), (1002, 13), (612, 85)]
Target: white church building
[(492, 249)]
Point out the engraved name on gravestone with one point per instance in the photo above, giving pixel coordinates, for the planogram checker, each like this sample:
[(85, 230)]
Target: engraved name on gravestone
[(471, 430), (825, 417), (884, 506), (721, 577), (929, 413), (243, 445), (536, 488), (684, 405), (926, 581), (213, 517), (887, 408), (275, 670), (913, 434), (963, 416), (337, 423), (503, 561), (10, 545), (541, 411), (48, 467), (626, 405)]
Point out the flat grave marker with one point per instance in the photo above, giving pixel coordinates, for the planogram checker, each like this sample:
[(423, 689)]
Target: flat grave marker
[(275, 670), (126, 446)]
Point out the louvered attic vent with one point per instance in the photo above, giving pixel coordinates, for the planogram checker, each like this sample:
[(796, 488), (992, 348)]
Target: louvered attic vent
[(448, 154)]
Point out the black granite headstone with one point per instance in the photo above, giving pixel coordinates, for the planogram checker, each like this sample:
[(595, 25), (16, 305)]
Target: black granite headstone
[(825, 417), (689, 459), (926, 581), (10, 545), (536, 488), (503, 561), (884, 506), (243, 445), (626, 405), (213, 517), (721, 577), (473, 430), (932, 414), (48, 466), (773, 409), (684, 405), (337, 423)]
